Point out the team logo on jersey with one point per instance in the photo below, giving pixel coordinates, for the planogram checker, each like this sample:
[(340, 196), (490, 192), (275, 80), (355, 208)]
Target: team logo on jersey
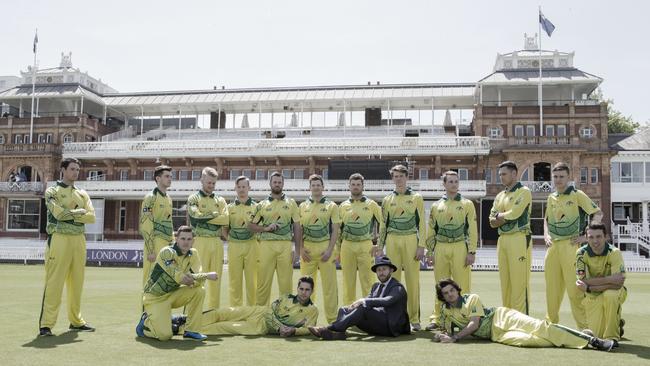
[(169, 262), (518, 201), (409, 202), (522, 258), (366, 209), (146, 209), (324, 209), (162, 206), (570, 203), (393, 204), (459, 208)]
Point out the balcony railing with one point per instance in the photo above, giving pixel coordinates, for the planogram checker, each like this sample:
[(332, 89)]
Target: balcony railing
[(281, 147), (297, 188), (29, 149), (530, 140), (21, 187), (542, 186)]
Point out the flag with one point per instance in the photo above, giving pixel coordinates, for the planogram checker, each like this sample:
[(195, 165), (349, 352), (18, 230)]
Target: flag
[(546, 24), (35, 40)]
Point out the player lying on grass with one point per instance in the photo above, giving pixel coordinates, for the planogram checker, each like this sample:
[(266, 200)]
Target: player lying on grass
[(464, 315), (175, 281), (287, 316)]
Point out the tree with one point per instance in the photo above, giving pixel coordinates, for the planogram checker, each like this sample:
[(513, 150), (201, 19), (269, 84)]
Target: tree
[(616, 121)]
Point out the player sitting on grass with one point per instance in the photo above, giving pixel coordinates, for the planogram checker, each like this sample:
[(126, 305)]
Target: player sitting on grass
[(464, 315)]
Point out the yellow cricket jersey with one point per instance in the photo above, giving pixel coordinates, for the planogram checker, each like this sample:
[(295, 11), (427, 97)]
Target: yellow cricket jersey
[(156, 219), (59, 200), (451, 221), (287, 310), (567, 213), (171, 265), (208, 213), (592, 265), (456, 317), (403, 215), (358, 218), (240, 214), (283, 211), (317, 219), (515, 204)]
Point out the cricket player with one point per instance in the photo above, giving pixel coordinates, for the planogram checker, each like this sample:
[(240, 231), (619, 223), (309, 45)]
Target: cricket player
[(242, 246), (511, 215), (601, 276), (320, 221), (464, 315), (156, 225), (175, 281), (404, 237), (278, 220), (452, 240), (360, 217), (290, 315), (567, 212), (69, 209), (208, 213)]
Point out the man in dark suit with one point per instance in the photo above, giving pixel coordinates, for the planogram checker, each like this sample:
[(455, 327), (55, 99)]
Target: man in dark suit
[(382, 313)]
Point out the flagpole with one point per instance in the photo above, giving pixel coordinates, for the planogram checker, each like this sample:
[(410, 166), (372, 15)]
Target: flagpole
[(539, 86), (31, 115)]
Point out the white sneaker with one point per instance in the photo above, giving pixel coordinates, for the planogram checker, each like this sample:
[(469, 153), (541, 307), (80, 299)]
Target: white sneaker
[(415, 327)]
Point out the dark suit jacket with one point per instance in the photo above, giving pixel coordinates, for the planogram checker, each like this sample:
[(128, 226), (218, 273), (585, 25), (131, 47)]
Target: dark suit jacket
[(394, 304)]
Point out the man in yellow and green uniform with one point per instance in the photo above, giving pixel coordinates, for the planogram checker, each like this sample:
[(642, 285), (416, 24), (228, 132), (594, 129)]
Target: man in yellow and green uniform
[(287, 316), (359, 217), (567, 212), (175, 281), (452, 240), (156, 225), (601, 276), (404, 237), (464, 315), (68, 211), (277, 219), (242, 246), (208, 213), (511, 214), (319, 218)]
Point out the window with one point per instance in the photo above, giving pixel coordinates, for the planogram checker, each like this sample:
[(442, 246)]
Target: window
[(179, 213), (48, 138), (147, 175), (495, 132), (627, 172), (23, 215), (18, 139), (260, 174), (488, 175), (550, 131), (122, 222), (68, 138), (96, 175), (594, 175), (498, 177), (647, 172), (519, 131), (325, 173), (234, 173), (124, 175), (463, 174), (41, 138), (196, 174), (299, 173), (537, 218), (530, 130), (2, 139), (524, 176), (287, 173), (622, 210), (584, 173), (248, 173), (561, 130), (586, 132), (183, 175), (424, 174), (26, 139)]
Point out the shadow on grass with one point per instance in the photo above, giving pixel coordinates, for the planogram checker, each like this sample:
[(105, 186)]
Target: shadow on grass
[(54, 341), (178, 343), (634, 349)]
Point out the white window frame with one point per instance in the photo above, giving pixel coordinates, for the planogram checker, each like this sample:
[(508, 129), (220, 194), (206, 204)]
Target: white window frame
[(299, 173), (488, 175), (38, 214), (461, 172), (18, 139), (495, 132), (584, 173), (593, 173), (248, 173), (260, 174), (147, 174), (2, 139), (234, 173), (121, 214), (287, 173), (124, 176), (586, 132), (67, 138), (424, 174)]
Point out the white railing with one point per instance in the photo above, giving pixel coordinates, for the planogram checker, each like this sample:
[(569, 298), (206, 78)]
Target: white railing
[(21, 187), (272, 147), (128, 132), (296, 188), (633, 233), (542, 186)]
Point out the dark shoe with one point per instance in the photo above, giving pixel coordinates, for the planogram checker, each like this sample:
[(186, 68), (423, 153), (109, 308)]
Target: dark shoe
[(433, 326), (177, 322), (195, 336), (82, 328), (316, 331), (330, 335), (601, 344), (139, 329), (621, 324), (615, 343), (45, 332)]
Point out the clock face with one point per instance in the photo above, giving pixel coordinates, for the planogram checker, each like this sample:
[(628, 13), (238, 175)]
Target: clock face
[(535, 63), (49, 79)]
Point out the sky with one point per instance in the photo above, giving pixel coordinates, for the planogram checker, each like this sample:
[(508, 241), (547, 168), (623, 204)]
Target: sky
[(185, 45)]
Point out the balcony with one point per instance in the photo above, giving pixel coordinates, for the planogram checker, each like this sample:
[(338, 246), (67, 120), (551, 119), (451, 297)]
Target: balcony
[(293, 147), (29, 149), (523, 111), (21, 187), (553, 142), (296, 188)]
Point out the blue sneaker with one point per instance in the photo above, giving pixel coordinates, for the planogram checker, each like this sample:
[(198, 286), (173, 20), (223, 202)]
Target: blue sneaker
[(139, 329), (195, 336)]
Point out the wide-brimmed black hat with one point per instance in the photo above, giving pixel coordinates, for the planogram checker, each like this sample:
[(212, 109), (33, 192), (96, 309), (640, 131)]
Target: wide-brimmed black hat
[(383, 261)]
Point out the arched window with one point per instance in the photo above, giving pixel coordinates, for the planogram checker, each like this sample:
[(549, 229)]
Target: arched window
[(68, 138)]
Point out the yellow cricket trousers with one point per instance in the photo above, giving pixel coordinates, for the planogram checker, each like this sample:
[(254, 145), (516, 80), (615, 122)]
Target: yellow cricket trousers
[(560, 274), (159, 311), (401, 250), (514, 253), (242, 262), (516, 329), (449, 262), (65, 262), (147, 266), (243, 320), (355, 256), (328, 276), (211, 254), (604, 312), (274, 256)]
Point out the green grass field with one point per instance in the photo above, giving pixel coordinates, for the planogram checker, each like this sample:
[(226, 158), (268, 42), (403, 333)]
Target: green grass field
[(111, 302)]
